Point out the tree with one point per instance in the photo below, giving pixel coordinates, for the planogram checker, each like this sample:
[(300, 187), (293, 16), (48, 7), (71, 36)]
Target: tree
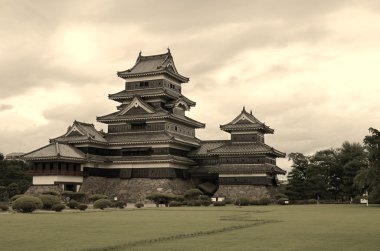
[(1, 157), (15, 171), (369, 176), (325, 175), (297, 177), (352, 157)]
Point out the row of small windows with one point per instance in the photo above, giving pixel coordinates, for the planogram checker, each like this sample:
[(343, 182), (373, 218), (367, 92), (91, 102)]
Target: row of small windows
[(143, 126), (237, 160), (152, 84), (140, 126), (247, 160), (54, 166), (247, 137), (144, 151)]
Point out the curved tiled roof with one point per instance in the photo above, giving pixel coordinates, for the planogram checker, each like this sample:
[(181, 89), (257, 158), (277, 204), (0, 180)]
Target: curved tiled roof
[(55, 151), (87, 132), (206, 146), (153, 65), (150, 92), (246, 121), (246, 148), (160, 114)]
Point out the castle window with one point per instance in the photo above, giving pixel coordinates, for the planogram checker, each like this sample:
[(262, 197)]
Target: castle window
[(175, 128), (144, 84), (138, 126)]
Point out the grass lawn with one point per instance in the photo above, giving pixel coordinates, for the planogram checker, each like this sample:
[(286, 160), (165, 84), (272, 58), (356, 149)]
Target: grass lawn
[(303, 227)]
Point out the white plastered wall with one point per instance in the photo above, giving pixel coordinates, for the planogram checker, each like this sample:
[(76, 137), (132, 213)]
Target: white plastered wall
[(51, 180)]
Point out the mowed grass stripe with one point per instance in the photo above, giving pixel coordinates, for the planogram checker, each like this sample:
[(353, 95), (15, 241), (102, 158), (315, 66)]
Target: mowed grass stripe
[(182, 236)]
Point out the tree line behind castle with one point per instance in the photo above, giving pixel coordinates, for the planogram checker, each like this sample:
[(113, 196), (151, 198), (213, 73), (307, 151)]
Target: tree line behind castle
[(333, 175)]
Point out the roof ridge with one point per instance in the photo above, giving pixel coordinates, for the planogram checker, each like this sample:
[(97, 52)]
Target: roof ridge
[(215, 140), (83, 123), (155, 55)]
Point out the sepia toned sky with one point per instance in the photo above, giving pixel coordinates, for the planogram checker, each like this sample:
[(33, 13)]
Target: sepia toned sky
[(308, 69)]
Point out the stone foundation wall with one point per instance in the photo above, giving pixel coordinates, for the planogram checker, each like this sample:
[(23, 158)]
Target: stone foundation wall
[(133, 190), (36, 189), (244, 191)]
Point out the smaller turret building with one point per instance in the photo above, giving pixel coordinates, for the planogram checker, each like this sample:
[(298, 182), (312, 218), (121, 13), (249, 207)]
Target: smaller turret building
[(151, 145)]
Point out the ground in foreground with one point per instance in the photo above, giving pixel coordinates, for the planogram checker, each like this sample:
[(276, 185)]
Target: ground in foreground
[(306, 227)]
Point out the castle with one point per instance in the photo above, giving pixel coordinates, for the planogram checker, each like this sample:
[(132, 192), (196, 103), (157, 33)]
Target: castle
[(151, 146)]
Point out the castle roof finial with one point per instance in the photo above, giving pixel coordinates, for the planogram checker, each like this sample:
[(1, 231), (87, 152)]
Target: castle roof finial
[(140, 53), (244, 108), (251, 112), (168, 50)]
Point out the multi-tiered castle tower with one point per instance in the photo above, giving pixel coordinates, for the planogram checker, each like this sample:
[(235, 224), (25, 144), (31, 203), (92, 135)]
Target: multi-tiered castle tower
[(151, 146)]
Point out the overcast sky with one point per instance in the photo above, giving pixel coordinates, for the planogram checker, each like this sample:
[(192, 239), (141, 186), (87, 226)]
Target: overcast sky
[(308, 69)]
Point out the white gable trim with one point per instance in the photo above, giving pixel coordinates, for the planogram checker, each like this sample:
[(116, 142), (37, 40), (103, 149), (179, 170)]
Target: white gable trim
[(243, 117), (136, 103), (74, 128), (182, 102)]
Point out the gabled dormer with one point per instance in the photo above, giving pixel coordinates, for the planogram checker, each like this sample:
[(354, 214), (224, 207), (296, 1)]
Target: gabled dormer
[(136, 106)]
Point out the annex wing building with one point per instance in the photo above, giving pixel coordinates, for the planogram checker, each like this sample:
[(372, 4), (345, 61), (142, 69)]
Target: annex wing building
[(150, 145)]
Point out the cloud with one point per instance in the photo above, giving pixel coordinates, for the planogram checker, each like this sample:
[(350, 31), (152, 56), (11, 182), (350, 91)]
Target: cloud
[(304, 67), (4, 107)]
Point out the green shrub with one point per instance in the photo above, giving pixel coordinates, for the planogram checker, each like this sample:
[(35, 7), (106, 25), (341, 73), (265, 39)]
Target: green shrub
[(356, 199), (192, 194), (121, 204), (51, 193), (113, 204), (16, 197), (58, 207), (243, 202), (312, 201), (102, 203), (4, 206), (27, 204), (229, 201), (254, 202), (278, 196), (95, 197), (13, 189), (194, 203), (282, 201), (139, 205), (73, 204), (205, 200), (264, 201), (219, 203), (82, 207), (175, 203), (305, 202), (77, 196), (179, 198), (49, 201), (204, 197), (205, 203), (161, 198)]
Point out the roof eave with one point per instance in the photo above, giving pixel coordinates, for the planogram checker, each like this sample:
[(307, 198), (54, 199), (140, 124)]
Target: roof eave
[(125, 75)]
